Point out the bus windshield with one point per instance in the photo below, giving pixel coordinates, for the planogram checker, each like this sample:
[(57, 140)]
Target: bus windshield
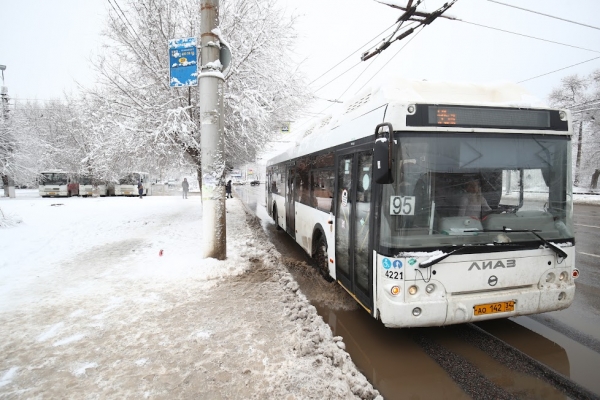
[(131, 179), (452, 189), (86, 180), (54, 178)]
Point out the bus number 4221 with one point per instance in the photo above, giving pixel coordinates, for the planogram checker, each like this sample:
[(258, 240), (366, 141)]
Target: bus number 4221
[(393, 274)]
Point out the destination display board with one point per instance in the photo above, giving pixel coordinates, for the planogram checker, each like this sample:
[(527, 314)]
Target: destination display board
[(486, 117)]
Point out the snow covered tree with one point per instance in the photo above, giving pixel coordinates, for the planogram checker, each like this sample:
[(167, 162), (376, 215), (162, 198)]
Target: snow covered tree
[(50, 135), (18, 149), (581, 95), (144, 120)]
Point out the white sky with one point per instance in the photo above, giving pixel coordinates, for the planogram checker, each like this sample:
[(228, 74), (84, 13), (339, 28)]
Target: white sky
[(46, 45)]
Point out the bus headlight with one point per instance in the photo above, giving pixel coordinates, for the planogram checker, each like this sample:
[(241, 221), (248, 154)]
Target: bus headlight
[(416, 311), (413, 290), (411, 109), (562, 115), (395, 290), (563, 276), (550, 277), (430, 288)]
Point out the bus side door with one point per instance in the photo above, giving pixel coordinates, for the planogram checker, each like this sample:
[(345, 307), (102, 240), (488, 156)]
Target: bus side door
[(290, 213), (353, 247)]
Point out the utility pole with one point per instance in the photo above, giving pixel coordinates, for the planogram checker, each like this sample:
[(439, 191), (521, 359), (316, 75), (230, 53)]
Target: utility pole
[(7, 182), (211, 130)]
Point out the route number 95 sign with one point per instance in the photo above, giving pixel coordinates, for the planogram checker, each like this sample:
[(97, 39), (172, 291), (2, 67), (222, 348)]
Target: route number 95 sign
[(402, 205)]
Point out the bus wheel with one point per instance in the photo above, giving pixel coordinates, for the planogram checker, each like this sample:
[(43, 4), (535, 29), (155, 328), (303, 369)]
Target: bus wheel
[(276, 218), (321, 259)]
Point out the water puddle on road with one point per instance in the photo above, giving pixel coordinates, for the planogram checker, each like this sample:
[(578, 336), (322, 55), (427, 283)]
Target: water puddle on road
[(389, 358), (583, 364)]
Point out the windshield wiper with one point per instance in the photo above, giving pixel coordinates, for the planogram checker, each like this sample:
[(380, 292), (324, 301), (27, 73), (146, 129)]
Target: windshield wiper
[(554, 247), (446, 255), (480, 247)]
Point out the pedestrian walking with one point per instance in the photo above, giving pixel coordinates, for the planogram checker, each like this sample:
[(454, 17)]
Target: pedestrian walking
[(140, 189), (228, 190), (186, 186)]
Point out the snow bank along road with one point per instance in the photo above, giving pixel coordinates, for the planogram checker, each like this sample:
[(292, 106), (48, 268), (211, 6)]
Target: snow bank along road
[(88, 308)]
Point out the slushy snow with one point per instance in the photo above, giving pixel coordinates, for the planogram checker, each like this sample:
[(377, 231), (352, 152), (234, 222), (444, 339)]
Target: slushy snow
[(89, 309)]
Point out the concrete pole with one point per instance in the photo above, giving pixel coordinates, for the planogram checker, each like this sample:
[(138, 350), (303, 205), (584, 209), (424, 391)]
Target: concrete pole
[(7, 181), (211, 130)]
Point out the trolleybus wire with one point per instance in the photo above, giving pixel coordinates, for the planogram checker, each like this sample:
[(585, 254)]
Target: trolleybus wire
[(522, 34), (560, 69), (351, 54), (387, 62), (411, 14), (348, 70), (545, 15)]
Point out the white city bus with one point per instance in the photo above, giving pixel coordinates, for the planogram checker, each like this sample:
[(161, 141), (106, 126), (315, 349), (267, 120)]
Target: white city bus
[(127, 185), (377, 197), (90, 186), (58, 183)]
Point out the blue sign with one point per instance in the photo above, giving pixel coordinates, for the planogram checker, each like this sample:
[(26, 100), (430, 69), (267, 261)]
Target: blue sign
[(387, 264), (397, 264), (183, 62)]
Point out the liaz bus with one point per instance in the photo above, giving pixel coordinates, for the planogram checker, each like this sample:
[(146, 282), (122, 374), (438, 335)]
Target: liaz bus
[(57, 183), (435, 203)]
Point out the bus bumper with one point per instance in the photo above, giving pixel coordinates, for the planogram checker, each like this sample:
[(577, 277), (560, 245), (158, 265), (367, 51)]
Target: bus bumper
[(461, 308)]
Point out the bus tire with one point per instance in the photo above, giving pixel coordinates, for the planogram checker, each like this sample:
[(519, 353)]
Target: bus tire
[(276, 218), (321, 259)]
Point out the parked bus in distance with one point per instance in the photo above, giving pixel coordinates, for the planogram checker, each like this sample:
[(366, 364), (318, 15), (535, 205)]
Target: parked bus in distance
[(88, 185), (57, 183), (128, 185), (435, 203)]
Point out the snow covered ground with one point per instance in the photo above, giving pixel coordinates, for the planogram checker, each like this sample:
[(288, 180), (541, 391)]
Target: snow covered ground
[(110, 298)]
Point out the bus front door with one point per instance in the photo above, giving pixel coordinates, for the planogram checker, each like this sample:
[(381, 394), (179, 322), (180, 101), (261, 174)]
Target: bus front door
[(352, 225), (290, 212)]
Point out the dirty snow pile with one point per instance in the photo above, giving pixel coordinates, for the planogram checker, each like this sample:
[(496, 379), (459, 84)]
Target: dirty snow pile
[(111, 298)]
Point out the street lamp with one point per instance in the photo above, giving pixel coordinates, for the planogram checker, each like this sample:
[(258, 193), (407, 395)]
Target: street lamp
[(2, 68), (3, 94)]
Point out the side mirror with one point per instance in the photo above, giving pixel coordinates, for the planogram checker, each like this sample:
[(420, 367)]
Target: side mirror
[(383, 154)]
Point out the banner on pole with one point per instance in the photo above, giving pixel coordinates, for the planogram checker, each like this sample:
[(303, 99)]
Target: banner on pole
[(183, 62)]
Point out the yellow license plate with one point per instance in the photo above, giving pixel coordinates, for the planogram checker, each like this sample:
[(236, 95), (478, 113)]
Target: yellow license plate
[(493, 308), (127, 192), (52, 193)]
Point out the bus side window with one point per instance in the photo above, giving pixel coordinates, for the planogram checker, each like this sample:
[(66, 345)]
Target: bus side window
[(302, 181), (322, 190)]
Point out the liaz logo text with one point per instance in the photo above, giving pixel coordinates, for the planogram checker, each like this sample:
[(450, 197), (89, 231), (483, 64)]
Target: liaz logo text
[(482, 265)]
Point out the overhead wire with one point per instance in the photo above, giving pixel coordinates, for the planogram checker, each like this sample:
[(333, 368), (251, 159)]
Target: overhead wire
[(560, 69), (545, 15), (400, 21), (527, 36), (126, 22), (351, 54), (466, 22), (352, 67), (387, 62), (130, 29)]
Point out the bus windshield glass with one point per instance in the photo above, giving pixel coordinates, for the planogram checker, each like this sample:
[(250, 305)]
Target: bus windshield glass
[(452, 189), (54, 178), (131, 179), (86, 180)]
